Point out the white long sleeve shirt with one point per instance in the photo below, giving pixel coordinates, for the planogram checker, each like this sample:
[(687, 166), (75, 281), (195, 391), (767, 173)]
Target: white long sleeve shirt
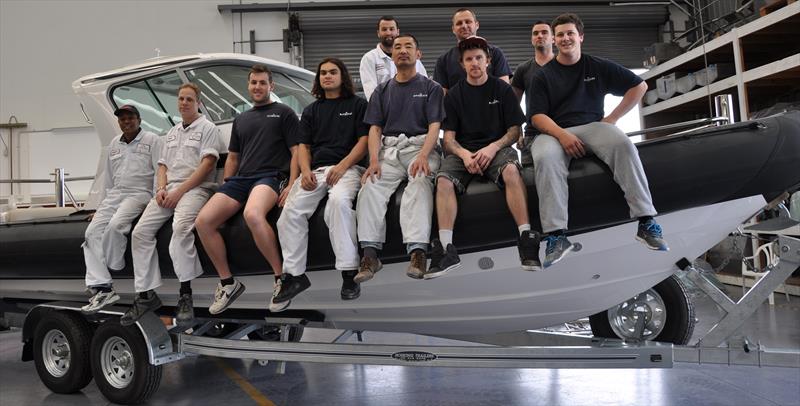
[(377, 67)]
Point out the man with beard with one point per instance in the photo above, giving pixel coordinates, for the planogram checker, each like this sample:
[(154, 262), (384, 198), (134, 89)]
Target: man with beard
[(448, 69), (376, 65), (568, 109), (259, 160)]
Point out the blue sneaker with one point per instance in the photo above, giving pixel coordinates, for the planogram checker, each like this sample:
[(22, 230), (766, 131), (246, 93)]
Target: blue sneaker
[(558, 246), (650, 235)]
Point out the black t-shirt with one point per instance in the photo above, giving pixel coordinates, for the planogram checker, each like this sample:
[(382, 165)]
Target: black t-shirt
[(262, 137), (332, 128), (481, 114), (572, 95), (522, 80), (406, 108), (449, 71)]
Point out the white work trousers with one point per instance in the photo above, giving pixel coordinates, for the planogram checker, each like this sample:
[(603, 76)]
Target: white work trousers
[(106, 236), (339, 217), (416, 206), (185, 261)]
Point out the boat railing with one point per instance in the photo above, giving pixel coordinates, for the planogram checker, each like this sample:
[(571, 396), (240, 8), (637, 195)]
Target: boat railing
[(723, 110), (60, 180)]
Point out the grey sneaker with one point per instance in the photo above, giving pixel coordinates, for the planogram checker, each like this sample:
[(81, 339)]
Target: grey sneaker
[(418, 265), (100, 300), (442, 260), (367, 269), (650, 235), (184, 311), (558, 246), (277, 307), (140, 307), (529, 251), (224, 296)]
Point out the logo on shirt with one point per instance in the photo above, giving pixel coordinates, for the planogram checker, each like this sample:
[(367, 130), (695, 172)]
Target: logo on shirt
[(273, 115), (346, 113), (495, 101), (420, 95), (589, 79)]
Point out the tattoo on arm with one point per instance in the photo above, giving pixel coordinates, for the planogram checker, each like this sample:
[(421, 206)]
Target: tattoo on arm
[(511, 136)]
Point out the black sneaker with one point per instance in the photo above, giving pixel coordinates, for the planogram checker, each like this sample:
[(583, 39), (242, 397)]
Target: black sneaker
[(529, 251), (291, 286), (140, 307), (350, 289), (447, 262), (184, 311), (437, 253)]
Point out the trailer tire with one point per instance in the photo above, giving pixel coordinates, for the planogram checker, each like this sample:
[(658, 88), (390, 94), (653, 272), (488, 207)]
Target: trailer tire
[(677, 324), (61, 351), (121, 366)]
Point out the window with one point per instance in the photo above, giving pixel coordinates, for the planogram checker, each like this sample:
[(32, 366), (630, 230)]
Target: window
[(225, 96), (155, 98)]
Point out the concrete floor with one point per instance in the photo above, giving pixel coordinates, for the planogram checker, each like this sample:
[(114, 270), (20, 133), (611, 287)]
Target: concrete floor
[(206, 380)]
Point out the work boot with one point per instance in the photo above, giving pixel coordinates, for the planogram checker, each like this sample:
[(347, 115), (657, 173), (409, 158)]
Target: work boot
[(442, 260), (418, 265), (350, 289), (291, 286), (367, 269), (529, 251), (184, 311), (141, 305)]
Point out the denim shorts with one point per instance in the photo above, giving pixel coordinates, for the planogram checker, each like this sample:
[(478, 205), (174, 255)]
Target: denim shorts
[(239, 187), (454, 170)]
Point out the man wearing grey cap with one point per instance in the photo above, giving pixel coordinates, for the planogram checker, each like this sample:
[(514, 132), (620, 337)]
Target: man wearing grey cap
[(128, 180)]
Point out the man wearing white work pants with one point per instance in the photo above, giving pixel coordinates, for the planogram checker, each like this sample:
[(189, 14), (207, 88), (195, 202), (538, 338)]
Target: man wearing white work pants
[(332, 141), (185, 181), (405, 115), (128, 185)]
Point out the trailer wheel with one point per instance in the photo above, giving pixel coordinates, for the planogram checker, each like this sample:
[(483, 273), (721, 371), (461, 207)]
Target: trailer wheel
[(668, 312), (61, 351), (120, 364)]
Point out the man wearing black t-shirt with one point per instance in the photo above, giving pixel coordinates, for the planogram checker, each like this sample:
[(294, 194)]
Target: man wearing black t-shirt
[(568, 110), (542, 41), (404, 115), (258, 163), (483, 121), (332, 140), (448, 70)]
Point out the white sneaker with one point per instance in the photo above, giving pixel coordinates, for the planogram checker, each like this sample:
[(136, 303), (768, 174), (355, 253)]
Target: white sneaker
[(224, 296), (277, 307), (99, 301)]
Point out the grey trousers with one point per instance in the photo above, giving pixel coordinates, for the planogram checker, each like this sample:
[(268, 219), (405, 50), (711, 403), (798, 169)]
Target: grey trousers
[(612, 146)]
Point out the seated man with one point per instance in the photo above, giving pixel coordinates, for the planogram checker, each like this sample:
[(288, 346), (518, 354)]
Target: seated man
[(129, 172), (332, 141), (405, 114), (483, 121), (185, 181), (259, 158), (568, 110)]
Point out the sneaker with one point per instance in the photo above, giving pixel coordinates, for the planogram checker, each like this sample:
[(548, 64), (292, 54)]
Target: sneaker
[(291, 286), (445, 260), (100, 300), (277, 307), (558, 246), (367, 269), (140, 307), (184, 311), (418, 265), (350, 289), (224, 296), (529, 251), (650, 235)]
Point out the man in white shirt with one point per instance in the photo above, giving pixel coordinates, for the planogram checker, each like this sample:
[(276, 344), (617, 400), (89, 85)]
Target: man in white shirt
[(376, 65)]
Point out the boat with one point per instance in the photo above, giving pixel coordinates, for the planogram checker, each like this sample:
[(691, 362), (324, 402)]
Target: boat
[(704, 184)]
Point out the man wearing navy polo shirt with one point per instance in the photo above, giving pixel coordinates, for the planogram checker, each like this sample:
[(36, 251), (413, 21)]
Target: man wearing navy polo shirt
[(568, 111)]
